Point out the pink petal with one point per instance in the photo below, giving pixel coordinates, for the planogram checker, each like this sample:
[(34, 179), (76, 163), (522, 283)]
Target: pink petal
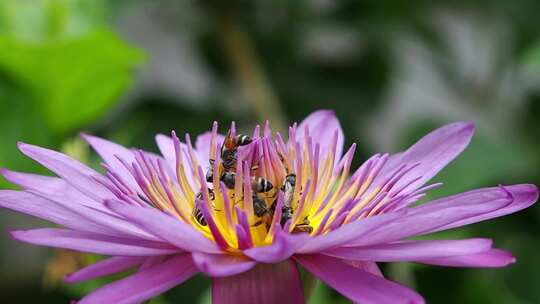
[(222, 265), (111, 153), (322, 125), (370, 267), (283, 247), (152, 261), (145, 284), (202, 145), (356, 284), (91, 242), (166, 227), (166, 147), (48, 185), (490, 258), (433, 152), (348, 233), (523, 196), (264, 284), (451, 212), (104, 268), (69, 214), (72, 171), (411, 250)]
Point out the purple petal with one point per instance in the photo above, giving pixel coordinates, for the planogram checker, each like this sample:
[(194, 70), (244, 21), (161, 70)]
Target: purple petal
[(145, 284), (523, 196), (450, 212), (202, 145), (348, 233), (31, 204), (72, 171), (370, 267), (322, 125), (411, 250), (490, 258), (165, 227), (47, 185), (91, 242), (166, 147), (284, 246), (69, 214), (357, 284), (104, 268), (433, 152), (222, 265), (264, 284), (111, 152)]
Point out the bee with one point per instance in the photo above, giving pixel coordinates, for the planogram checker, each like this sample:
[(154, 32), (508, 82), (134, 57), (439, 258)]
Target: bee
[(228, 178), (211, 195), (197, 213), (210, 172), (259, 206), (288, 191), (286, 215), (259, 184), (303, 227), (199, 217), (261, 210), (229, 149)]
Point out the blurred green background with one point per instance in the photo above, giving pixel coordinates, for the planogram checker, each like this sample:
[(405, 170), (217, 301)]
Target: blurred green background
[(391, 70)]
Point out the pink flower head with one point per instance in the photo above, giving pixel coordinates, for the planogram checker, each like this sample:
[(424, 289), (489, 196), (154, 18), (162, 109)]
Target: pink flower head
[(247, 210)]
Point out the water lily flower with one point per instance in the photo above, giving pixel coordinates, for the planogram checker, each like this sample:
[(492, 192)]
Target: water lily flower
[(250, 211)]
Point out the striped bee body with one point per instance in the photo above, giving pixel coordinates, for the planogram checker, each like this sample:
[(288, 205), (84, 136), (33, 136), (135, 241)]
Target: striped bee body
[(288, 189), (259, 185), (303, 227), (230, 149), (199, 217), (242, 140), (197, 213)]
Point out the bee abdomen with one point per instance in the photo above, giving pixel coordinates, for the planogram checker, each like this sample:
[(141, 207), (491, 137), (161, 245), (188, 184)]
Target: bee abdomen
[(242, 140), (199, 217), (259, 184)]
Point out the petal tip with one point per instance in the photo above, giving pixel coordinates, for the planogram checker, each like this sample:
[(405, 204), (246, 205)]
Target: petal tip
[(17, 234), (467, 128), (68, 278), (22, 145), (86, 136), (524, 193), (4, 172)]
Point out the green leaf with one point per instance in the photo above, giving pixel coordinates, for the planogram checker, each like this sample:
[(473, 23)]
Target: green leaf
[(73, 81), (62, 53)]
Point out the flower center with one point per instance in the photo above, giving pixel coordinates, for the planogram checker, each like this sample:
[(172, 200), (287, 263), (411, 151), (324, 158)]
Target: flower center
[(248, 186)]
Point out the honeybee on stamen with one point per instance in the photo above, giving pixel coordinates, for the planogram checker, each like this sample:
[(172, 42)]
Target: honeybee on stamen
[(230, 148), (197, 213)]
